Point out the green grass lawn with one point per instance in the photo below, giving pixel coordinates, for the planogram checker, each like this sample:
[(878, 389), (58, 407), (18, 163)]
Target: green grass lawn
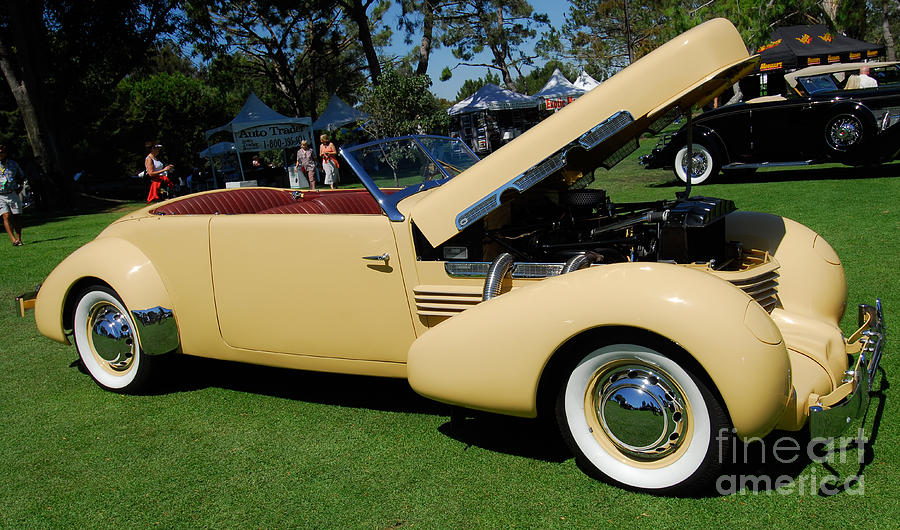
[(221, 444)]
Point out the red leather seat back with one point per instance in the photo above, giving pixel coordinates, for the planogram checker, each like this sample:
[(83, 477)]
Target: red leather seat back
[(297, 207), (235, 201), (349, 202)]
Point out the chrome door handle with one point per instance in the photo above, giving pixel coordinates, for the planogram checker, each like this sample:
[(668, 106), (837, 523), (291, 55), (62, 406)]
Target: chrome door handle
[(383, 257)]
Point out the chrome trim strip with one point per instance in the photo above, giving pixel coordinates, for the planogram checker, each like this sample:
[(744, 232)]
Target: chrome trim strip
[(524, 270), (157, 330)]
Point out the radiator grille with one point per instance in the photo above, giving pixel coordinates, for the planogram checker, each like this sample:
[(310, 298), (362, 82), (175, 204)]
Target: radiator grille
[(757, 275)]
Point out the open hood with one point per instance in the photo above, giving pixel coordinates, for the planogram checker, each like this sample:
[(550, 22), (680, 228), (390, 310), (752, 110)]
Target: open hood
[(594, 130)]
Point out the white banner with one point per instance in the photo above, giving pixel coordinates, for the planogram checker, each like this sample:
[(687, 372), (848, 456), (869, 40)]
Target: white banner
[(266, 137)]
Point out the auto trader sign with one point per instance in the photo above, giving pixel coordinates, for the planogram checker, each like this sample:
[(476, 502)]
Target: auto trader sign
[(265, 137)]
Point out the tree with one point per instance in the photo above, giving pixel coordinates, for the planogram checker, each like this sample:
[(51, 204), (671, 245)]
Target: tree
[(470, 86), (500, 26), (402, 104), (357, 10), (61, 60)]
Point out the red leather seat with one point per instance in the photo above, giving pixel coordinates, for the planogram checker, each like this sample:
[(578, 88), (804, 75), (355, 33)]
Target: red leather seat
[(297, 207), (236, 201), (349, 202)]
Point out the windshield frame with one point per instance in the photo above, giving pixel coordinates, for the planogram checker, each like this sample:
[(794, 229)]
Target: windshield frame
[(389, 201)]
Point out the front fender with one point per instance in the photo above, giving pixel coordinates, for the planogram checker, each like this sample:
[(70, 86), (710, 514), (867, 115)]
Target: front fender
[(122, 266), (492, 357)]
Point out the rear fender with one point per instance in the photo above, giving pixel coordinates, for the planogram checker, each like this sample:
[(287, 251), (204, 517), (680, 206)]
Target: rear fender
[(122, 266), (492, 357)]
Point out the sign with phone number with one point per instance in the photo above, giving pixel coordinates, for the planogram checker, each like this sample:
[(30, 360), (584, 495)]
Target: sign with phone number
[(269, 137)]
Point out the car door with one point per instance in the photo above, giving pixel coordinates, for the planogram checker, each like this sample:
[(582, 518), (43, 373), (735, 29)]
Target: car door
[(783, 131), (302, 284)]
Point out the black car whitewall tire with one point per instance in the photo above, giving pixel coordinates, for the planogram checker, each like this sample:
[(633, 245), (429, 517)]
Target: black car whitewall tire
[(665, 445), (107, 341), (706, 164)]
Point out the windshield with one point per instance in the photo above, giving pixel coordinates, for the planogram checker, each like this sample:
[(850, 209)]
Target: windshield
[(818, 83), (410, 163)]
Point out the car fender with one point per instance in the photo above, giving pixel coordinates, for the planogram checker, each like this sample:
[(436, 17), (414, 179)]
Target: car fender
[(811, 277), (124, 267), (492, 357)]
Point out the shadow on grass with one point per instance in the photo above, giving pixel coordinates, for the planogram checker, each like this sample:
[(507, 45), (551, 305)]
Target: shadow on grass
[(529, 438), (86, 206), (516, 436), (184, 373), (801, 465)]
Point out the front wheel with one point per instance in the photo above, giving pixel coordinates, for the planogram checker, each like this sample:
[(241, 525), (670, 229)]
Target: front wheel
[(107, 342), (640, 420), (705, 164)]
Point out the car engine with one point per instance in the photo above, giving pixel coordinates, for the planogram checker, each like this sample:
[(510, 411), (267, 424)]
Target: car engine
[(554, 224)]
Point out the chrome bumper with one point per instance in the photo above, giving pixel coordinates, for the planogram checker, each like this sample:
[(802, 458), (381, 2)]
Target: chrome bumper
[(25, 301), (830, 415)]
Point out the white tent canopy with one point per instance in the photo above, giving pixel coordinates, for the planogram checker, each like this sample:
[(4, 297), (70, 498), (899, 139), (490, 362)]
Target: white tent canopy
[(219, 149), (336, 114), (586, 82), (558, 87), (259, 128), (492, 97)]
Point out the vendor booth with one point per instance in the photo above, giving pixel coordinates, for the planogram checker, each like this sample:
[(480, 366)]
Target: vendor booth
[(586, 82), (337, 114), (792, 47), (259, 128), (558, 92), (493, 116)]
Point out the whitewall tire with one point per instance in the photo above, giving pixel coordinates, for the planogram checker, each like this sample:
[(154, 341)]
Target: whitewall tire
[(642, 421), (107, 341), (706, 164)]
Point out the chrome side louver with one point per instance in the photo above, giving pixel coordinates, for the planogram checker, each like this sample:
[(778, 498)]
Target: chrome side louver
[(446, 300)]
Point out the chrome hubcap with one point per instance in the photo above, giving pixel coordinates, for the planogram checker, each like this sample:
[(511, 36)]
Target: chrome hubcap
[(844, 132), (640, 410), (700, 163), (111, 336)]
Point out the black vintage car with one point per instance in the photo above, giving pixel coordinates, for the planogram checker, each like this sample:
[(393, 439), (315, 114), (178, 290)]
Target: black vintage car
[(827, 118)]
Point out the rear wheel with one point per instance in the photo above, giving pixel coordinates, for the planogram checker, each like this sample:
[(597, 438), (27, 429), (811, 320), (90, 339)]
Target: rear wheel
[(705, 166), (641, 420), (845, 132), (107, 342)]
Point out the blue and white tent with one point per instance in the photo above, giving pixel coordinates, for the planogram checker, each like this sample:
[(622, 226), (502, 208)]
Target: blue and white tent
[(337, 114), (492, 97)]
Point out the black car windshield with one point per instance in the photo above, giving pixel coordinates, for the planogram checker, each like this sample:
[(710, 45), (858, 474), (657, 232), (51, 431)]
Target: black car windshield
[(818, 83), (411, 163)]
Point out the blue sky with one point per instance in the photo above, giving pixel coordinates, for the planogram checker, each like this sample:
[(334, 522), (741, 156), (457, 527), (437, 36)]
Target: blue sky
[(442, 57)]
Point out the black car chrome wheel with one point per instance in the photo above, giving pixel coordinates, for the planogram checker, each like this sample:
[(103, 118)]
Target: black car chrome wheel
[(844, 132)]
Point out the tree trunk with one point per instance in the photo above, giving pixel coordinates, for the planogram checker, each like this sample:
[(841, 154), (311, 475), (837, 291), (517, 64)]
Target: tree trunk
[(357, 12), (886, 31), (21, 60), (427, 32)]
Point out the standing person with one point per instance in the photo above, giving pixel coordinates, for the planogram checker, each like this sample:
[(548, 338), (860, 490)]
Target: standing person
[(10, 203), (328, 153), (156, 171), (306, 161)]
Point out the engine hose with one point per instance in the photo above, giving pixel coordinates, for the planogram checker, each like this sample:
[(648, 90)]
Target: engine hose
[(500, 267), (579, 261)]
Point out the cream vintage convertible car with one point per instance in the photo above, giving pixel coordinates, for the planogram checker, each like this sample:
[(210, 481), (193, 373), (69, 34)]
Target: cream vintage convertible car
[(505, 284)]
